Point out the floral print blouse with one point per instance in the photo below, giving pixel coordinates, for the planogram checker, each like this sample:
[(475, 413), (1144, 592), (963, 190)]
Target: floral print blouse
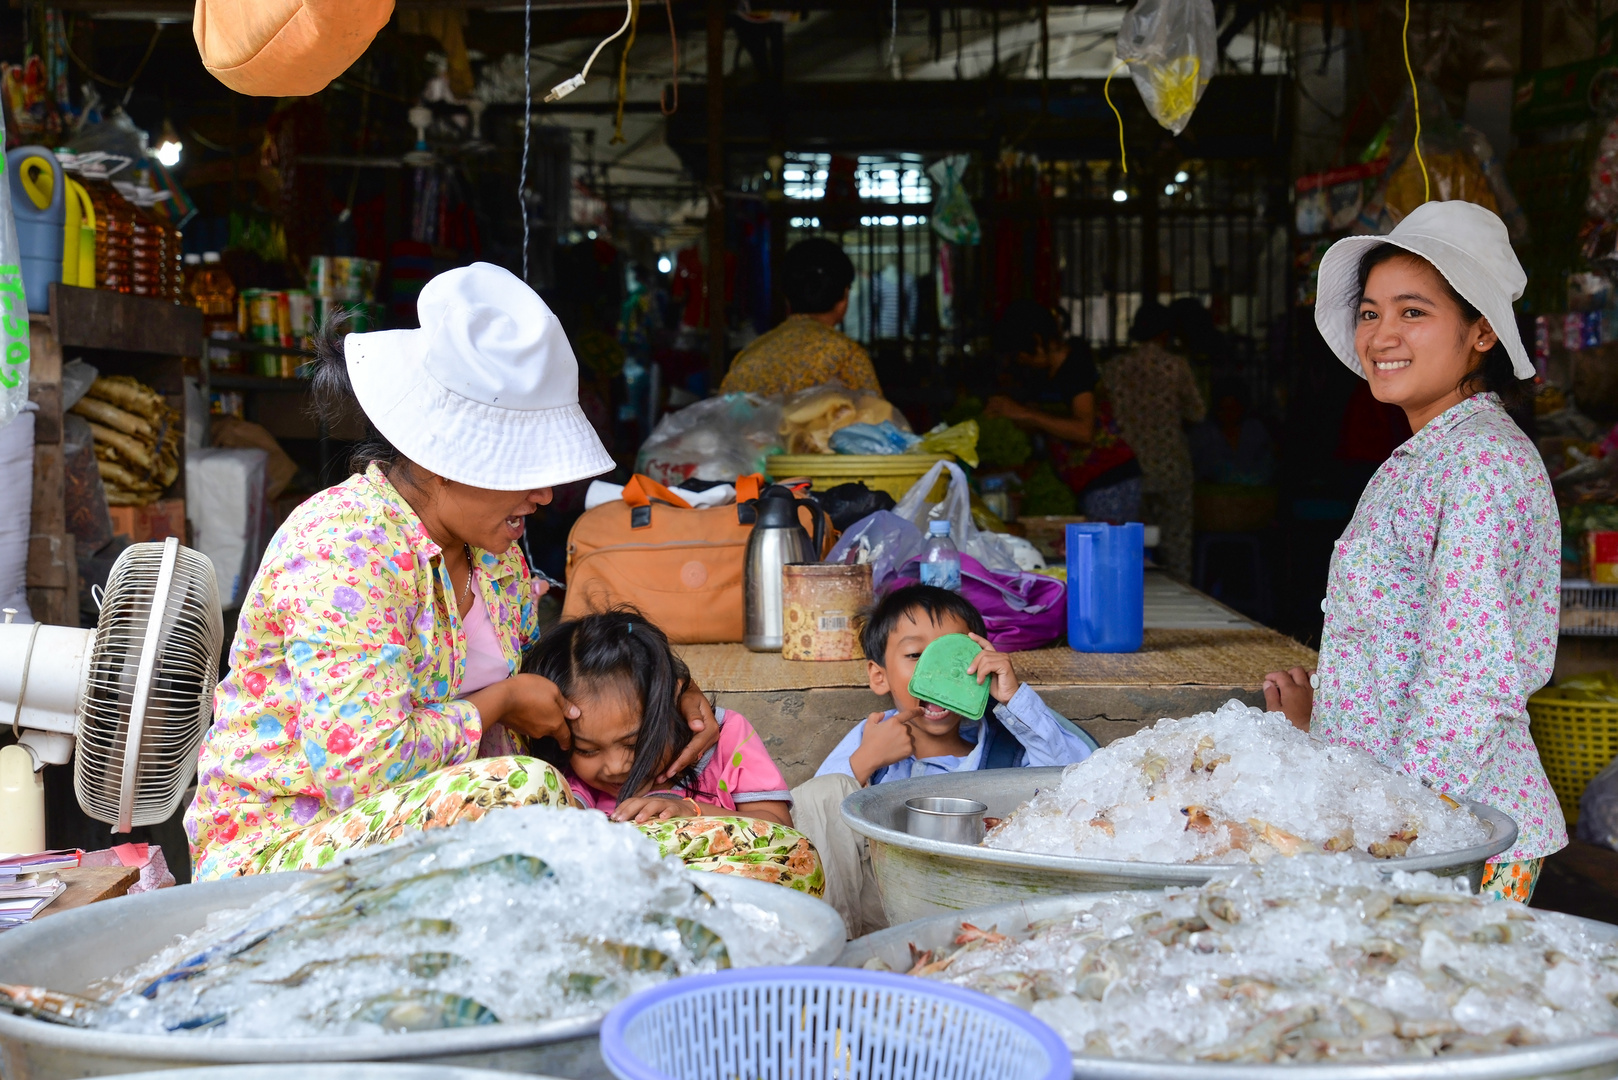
[(343, 673), (1441, 617)]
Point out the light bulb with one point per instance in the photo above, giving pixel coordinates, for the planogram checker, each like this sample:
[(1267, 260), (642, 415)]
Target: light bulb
[(664, 264), (1120, 195), (1181, 177), (169, 154)]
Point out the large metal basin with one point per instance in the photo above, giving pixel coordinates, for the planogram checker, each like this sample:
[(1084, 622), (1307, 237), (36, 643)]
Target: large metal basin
[(71, 950), (1594, 1058), (917, 877), (345, 1071)]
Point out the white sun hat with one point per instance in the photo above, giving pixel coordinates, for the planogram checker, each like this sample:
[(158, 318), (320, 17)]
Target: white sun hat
[(1469, 246), (486, 392)]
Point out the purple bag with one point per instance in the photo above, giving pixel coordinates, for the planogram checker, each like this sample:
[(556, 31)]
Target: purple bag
[(1021, 610)]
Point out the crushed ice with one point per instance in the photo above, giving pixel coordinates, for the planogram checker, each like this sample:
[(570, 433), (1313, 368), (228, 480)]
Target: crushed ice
[(1313, 959), (525, 915), (1234, 786)]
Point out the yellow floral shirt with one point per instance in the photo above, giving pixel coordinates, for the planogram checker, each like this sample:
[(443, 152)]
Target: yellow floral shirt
[(796, 355), (343, 673)]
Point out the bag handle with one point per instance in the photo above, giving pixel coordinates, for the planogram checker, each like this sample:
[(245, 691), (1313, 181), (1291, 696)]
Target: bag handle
[(643, 491)]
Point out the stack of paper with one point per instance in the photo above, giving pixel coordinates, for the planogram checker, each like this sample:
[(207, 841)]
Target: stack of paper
[(26, 884)]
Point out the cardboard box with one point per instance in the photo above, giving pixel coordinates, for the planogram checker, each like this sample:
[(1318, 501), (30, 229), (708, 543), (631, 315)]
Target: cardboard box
[(157, 521)]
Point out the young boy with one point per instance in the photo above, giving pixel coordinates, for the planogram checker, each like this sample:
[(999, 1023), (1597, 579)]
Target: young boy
[(919, 739)]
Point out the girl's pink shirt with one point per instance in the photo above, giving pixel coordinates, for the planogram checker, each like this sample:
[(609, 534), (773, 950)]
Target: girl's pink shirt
[(737, 771)]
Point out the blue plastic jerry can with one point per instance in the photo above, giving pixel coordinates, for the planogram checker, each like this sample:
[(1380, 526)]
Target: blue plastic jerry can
[(1106, 587), (39, 205)]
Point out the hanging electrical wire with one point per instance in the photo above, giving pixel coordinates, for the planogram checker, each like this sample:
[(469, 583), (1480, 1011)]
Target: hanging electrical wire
[(623, 73), (1106, 93), (527, 116), (674, 48), (567, 86), (1415, 103), (151, 46)]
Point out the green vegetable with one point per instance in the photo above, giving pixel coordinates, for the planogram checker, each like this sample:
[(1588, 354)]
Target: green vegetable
[(965, 408), (1001, 444), (1043, 493)]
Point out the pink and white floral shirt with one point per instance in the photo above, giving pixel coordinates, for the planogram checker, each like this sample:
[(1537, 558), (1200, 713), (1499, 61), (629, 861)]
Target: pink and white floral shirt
[(1441, 617), (345, 673)]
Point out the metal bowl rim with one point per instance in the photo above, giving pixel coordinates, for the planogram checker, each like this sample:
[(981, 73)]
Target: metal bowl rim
[(854, 810), (1557, 1059), (484, 1038)]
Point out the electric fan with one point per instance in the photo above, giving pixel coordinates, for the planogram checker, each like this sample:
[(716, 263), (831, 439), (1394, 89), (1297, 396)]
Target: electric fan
[(129, 701)]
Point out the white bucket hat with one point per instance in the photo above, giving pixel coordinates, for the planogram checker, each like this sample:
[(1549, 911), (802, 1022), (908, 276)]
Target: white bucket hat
[(486, 393), (1469, 246)]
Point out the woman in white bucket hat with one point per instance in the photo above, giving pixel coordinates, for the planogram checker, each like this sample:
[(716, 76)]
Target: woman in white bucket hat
[(1442, 603), (380, 642)]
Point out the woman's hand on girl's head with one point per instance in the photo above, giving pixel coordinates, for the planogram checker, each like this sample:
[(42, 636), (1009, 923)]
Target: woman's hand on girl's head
[(704, 726), (534, 706), (1292, 694)]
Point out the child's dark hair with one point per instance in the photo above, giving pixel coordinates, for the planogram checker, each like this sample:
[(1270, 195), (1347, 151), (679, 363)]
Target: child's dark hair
[(1495, 372), (621, 648), (877, 625)]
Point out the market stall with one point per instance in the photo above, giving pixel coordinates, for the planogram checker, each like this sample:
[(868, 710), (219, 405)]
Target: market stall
[(1197, 655)]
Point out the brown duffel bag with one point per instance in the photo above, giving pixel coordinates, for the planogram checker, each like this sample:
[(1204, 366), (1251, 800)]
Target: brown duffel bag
[(682, 567)]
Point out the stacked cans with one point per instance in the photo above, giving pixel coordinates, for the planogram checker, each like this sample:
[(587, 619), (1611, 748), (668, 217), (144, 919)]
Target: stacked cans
[(342, 282)]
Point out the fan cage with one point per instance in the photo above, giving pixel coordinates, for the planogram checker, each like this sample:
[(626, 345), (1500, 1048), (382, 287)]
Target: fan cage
[(179, 703)]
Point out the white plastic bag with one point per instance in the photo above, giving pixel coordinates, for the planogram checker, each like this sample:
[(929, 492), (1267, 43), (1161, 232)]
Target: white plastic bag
[(1598, 809), (953, 217), (718, 438), (14, 346), (1172, 49), (956, 508)]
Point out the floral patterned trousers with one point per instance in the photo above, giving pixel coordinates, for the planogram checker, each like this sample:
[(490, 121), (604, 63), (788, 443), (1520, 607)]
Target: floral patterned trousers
[(761, 850), (1510, 880)]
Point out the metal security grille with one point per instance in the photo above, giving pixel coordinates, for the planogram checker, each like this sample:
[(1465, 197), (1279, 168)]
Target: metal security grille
[(1081, 236)]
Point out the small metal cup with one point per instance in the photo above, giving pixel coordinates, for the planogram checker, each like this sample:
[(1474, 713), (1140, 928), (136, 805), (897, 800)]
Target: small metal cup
[(954, 821)]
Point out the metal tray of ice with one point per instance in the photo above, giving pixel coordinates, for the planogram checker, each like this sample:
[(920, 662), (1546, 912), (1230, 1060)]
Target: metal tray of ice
[(1594, 1058), (70, 951), (917, 878)]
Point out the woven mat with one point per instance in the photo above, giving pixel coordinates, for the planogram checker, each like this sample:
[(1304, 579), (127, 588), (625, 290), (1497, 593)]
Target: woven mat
[(1166, 658)]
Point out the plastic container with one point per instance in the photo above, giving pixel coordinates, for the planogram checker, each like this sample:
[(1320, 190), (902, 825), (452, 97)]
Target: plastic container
[(893, 473), (819, 603), (1575, 739), (941, 677), (79, 238), (940, 559), (1106, 587), (39, 204), (807, 1023)]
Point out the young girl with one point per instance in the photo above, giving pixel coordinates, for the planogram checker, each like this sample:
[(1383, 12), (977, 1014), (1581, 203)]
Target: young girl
[(730, 812)]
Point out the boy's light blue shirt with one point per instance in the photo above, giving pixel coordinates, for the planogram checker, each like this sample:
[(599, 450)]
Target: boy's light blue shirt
[(1047, 738)]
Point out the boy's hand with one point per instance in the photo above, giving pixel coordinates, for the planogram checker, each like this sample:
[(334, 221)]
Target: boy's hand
[(654, 808), (1291, 693), (885, 741), (995, 666)]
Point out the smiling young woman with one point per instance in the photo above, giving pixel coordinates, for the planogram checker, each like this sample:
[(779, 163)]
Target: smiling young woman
[(1442, 602)]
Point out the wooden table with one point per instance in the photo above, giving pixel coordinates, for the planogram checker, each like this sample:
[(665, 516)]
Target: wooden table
[(1197, 655), (90, 884)]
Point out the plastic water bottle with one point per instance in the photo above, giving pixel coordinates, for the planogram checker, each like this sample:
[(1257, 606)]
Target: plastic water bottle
[(940, 560)]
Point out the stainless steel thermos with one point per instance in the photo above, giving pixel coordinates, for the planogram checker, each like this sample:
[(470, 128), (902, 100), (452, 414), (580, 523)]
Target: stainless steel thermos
[(778, 540)]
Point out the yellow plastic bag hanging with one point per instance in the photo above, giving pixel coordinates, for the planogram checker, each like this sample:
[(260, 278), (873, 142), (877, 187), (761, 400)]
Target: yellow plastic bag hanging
[(1171, 48), (960, 440)]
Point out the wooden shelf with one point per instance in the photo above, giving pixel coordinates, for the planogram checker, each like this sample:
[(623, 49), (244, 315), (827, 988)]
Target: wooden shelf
[(226, 380), (100, 319)]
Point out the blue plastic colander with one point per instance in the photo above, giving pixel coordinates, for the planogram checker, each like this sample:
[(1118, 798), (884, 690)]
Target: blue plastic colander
[(825, 1023)]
